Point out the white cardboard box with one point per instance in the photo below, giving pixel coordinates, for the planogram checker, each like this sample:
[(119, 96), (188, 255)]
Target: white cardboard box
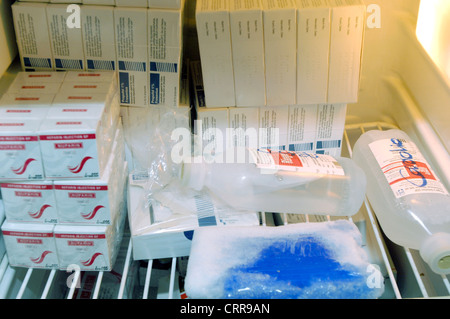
[(97, 106), (132, 3), (92, 247), (100, 2), (273, 127), (313, 39), (20, 153), (210, 127), (166, 4), (93, 201), (169, 233), (247, 42), (347, 31), (302, 127), (39, 77), (73, 148), (29, 202), (244, 127), (330, 128), (66, 43), (90, 76), (280, 51), (34, 88), (214, 39), (131, 29), (25, 106), (165, 30), (30, 245), (33, 41), (98, 37)]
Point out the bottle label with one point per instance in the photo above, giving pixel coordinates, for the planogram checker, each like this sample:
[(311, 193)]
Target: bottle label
[(272, 160), (405, 168)]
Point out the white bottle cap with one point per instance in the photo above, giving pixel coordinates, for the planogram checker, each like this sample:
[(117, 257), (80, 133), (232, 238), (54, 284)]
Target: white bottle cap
[(435, 251), (192, 174)]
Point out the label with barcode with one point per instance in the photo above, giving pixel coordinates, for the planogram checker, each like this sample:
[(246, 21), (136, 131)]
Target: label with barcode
[(296, 161)]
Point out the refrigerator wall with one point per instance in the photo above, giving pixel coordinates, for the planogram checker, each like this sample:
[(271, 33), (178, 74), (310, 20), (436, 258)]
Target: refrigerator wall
[(404, 84)]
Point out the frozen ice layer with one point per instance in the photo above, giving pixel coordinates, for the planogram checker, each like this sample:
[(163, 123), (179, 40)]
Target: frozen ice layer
[(304, 261)]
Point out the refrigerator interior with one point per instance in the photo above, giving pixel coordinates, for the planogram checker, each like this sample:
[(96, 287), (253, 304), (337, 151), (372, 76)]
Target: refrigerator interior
[(401, 87)]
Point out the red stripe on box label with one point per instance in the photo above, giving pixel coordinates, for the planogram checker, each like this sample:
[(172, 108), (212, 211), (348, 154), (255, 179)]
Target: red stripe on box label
[(26, 234), (12, 147), (26, 186), (68, 145), (81, 187), (67, 137), (28, 194), (81, 236), (80, 243), (82, 195), (18, 138), (29, 241), (27, 99)]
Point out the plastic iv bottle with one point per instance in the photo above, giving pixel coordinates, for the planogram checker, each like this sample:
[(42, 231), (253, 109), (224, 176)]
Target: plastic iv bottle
[(282, 181), (411, 204)]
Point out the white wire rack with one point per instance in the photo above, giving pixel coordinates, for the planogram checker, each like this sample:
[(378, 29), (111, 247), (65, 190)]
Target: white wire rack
[(406, 275)]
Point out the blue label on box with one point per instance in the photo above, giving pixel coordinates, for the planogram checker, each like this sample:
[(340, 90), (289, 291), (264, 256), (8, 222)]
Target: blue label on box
[(37, 62), (69, 64), (154, 88), (101, 65), (124, 86)]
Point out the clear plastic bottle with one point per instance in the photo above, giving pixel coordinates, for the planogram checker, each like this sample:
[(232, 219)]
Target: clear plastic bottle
[(411, 204), (282, 181)]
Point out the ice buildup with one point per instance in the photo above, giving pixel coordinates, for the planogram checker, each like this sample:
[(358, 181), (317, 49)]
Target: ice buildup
[(307, 260)]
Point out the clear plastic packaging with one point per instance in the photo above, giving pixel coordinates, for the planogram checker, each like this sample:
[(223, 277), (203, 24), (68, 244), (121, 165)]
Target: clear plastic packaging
[(411, 204), (281, 181)]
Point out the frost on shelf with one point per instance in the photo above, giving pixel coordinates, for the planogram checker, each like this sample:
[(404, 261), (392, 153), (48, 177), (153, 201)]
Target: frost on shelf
[(308, 260)]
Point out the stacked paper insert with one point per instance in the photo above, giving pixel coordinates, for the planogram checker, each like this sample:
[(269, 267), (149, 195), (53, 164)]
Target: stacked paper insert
[(280, 52), (63, 169), (141, 39)]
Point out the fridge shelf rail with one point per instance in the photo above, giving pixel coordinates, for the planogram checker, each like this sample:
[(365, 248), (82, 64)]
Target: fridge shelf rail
[(17, 283)]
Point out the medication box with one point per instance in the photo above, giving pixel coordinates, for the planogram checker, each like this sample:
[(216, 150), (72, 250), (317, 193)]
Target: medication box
[(66, 43), (313, 39), (20, 154), (247, 42), (130, 25), (30, 245), (273, 127), (244, 127), (29, 202), (98, 36), (330, 128), (347, 30), (214, 40), (302, 128), (25, 106), (164, 53), (280, 51), (93, 201), (73, 148), (33, 41)]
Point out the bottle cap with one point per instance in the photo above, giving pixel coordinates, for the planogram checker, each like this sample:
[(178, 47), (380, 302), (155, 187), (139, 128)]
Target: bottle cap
[(192, 174), (435, 250)]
